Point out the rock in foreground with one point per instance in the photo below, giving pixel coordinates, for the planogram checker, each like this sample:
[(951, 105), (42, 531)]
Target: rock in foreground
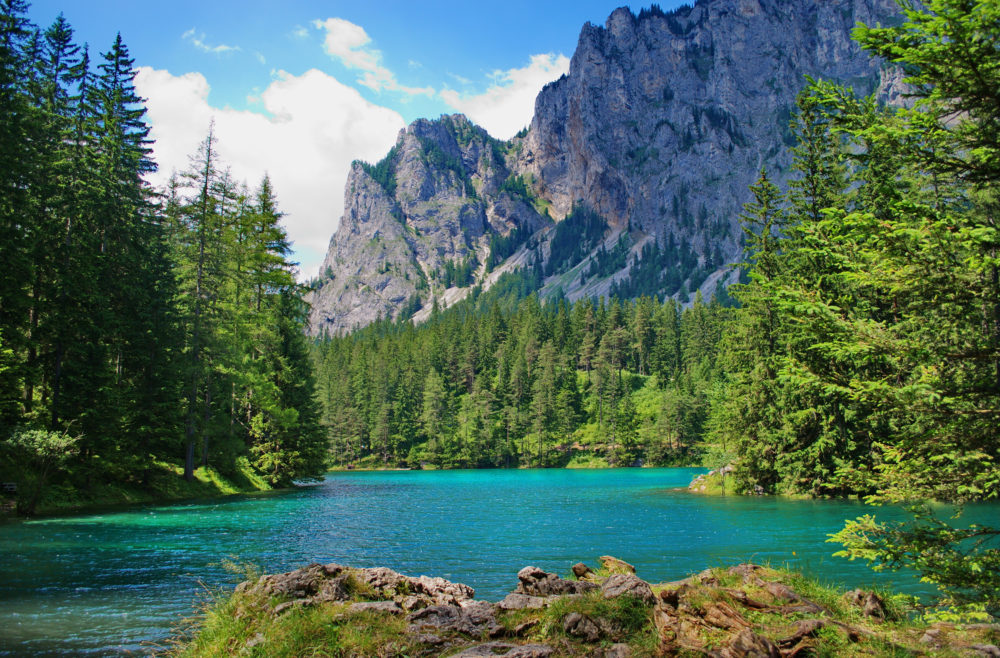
[(746, 610)]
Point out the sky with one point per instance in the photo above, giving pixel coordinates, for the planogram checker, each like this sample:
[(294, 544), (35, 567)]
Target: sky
[(298, 89)]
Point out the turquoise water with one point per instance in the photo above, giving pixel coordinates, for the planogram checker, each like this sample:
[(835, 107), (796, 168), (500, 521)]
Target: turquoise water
[(120, 581)]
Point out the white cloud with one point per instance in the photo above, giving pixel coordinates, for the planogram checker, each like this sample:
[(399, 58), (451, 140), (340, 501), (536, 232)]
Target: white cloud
[(508, 104), (198, 41), (316, 127), (350, 44)]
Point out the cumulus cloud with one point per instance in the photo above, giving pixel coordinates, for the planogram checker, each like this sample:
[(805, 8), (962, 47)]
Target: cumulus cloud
[(507, 105), (350, 44), (198, 41), (313, 128)]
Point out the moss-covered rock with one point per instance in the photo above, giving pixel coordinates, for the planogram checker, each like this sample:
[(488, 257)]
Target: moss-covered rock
[(747, 610)]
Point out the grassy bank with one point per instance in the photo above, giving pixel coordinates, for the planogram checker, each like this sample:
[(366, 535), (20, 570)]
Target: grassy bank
[(165, 482), (744, 610)]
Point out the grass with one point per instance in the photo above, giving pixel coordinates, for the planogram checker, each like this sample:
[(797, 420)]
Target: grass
[(714, 485), (624, 619), (241, 624), (165, 483)]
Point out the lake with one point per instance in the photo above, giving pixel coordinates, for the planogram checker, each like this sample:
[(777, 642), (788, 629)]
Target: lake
[(119, 581)]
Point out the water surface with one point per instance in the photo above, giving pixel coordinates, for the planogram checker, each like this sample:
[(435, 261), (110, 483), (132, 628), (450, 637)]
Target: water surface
[(116, 581)]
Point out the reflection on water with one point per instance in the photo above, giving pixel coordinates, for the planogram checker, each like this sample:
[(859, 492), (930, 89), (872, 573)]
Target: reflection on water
[(114, 581)]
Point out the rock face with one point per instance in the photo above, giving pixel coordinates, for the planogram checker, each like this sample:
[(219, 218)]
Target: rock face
[(661, 125), (435, 202), (664, 115)]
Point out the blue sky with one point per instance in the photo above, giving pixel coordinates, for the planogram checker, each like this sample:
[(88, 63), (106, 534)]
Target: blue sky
[(300, 88)]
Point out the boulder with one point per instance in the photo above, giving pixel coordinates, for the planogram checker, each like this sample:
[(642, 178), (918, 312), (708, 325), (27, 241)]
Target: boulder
[(748, 644), (614, 565), (871, 604), (535, 582), (804, 629), (282, 608), (297, 584), (515, 601), (452, 618), (618, 651), (750, 573), (621, 584), (441, 590), (581, 570), (581, 626)]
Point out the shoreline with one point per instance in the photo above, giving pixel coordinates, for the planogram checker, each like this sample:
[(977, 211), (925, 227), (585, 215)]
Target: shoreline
[(740, 611), (166, 485)]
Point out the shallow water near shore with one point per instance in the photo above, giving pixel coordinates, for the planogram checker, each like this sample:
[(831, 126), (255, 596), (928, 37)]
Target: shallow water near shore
[(121, 580)]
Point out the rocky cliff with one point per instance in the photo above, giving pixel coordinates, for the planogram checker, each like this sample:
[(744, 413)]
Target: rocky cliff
[(420, 222), (661, 125)]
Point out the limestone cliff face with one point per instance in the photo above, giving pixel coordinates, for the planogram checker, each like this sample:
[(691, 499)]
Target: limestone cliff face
[(434, 202), (661, 125), (664, 120)]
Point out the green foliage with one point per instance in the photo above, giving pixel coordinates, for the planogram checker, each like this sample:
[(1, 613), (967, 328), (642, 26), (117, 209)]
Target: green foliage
[(573, 238), (604, 263), (249, 388), (662, 270), (503, 380), (964, 562), (383, 172), (516, 186), (504, 246), (460, 274), (130, 318), (39, 452), (865, 357)]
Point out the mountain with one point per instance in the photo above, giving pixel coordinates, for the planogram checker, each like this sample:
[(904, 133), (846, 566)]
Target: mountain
[(419, 222), (629, 180)]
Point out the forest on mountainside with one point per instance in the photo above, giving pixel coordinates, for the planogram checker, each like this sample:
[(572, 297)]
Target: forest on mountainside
[(139, 332), (863, 358)]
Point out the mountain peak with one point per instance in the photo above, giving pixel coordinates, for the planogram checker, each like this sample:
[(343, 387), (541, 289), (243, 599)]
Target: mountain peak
[(656, 134)]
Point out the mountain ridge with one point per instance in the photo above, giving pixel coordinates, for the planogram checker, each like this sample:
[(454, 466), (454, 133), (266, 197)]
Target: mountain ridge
[(660, 126)]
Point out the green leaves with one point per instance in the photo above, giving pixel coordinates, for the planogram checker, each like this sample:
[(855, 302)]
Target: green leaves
[(963, 562), (866, 354)]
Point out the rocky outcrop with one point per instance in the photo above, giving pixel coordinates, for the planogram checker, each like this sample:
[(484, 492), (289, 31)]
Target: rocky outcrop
[(437, 201), (746, 610), (665, 119), (327, 583), (535, 582), (661, 125)]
